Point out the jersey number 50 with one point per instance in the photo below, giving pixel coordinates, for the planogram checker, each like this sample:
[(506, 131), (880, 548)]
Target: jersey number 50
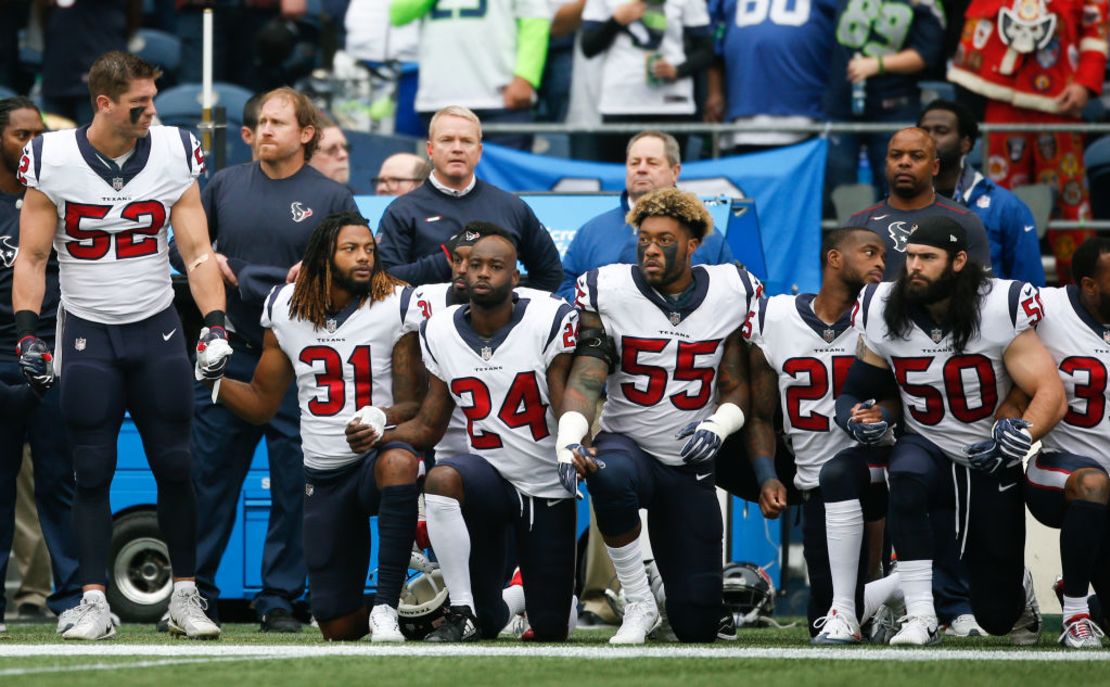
[(955, 373)]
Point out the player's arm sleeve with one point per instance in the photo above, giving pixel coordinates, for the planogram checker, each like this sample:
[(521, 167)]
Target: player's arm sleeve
[(402, 12), (1026, 309), (539, 254), (394, 246), (599, 29), (532, 38), (1093, 47), (752, 331), (585, 292), (1021, 249)]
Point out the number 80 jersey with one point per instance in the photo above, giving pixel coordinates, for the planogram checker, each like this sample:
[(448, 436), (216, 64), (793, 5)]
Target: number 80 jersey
[(950, 397), (111, 233), (669, 354)]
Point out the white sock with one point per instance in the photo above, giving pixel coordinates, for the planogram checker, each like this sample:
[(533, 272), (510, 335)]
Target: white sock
[(629, 564), (879, 592), (844, 536), (513, 596), (917, 586), (184, 585), (451, 542), (1075, 605), (94, 595), (572, 620)]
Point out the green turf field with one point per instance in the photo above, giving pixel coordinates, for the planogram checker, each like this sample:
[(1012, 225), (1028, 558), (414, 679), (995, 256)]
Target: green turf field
[(33, 655)]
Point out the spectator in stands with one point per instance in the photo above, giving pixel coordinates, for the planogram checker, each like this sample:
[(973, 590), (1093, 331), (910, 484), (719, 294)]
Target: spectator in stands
[(24, 417), (1041, 66), (911, 164), (13, 17), (652, 51), (885, 46), (415, 226), (400, 173), (333, 154), (236, 25), (771, 69), (1011, 230), (558, 71), (250, 123), (260, 216), (74, 37), (382, 47), (489, 59), (652, 162)]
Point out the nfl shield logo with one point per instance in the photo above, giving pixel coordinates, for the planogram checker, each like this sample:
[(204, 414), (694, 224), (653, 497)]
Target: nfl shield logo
[(830, 335), (79, 344), (675, 318), (330, 325), (937, 335), (117, 183), (487, 353)]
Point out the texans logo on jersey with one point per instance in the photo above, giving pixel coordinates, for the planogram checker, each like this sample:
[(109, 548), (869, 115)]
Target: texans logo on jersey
[(8, 251), (300, 213), (900, 235)]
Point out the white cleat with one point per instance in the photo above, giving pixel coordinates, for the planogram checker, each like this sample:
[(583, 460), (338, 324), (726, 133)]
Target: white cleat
[(384, 626), (91, 621), (640, 619), (1027, 629), (964, 626), (1080, 632), (186, 616), (918, 630), (837, 628)]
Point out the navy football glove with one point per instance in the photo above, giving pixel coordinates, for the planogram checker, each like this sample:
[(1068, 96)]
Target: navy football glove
[(1013, 438), (568, 476), (869, 433), (36, 362), (984, 455), (705, 440), (213, 352)]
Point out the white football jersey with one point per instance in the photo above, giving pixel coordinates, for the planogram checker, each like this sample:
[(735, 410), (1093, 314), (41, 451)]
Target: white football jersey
[(947, 397), (1080, 345), (668, 357), (113, 252), (501, 385), (811, 359), (344, 366)]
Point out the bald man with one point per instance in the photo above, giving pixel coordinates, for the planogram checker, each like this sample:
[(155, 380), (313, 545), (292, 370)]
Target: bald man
[(400, 173), (911, 166)]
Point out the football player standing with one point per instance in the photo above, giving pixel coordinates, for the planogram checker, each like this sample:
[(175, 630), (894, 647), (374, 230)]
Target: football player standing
[(103, 195)]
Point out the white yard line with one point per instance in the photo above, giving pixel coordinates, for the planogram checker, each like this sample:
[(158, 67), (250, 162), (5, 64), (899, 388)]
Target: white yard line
[(224, 652), (83, 667)]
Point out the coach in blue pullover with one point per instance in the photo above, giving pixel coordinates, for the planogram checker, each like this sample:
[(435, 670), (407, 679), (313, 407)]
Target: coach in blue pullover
[(1011, 230), (416, 225), (652, 162)]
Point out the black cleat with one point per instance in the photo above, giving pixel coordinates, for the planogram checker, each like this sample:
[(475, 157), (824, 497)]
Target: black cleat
[(280, 620), (726, 630), (460, 625)]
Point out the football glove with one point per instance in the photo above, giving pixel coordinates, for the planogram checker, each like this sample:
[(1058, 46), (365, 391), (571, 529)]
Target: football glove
[(706, 437), (36, 362), (568, 476), (869, 433), (1013, 438), (984, 455), (213, 352)]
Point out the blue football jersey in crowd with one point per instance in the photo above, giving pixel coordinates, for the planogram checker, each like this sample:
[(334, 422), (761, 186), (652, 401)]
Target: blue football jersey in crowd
[(776, 55)]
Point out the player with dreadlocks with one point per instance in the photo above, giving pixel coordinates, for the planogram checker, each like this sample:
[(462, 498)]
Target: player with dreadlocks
[(340, 329)]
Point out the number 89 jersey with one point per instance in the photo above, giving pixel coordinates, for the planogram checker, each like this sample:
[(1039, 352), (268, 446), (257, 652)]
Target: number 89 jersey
[(111, 234), (340, 368), (669, 353), (811, 359), (948, 397), (1080, 345), (500, 384)]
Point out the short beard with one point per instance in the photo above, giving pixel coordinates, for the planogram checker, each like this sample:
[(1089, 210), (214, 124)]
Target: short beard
[(949, 159), (358, 289), (460, 295), (492, 298), (932, 292)]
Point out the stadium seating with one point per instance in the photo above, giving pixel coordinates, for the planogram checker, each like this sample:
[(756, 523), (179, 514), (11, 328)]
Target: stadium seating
[(848, 199), (159, 48), (180, 106), (1039, 198), (1097, 159)]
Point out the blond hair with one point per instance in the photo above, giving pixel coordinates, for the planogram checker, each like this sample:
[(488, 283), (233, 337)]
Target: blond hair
[(455, 111), (683, 207)]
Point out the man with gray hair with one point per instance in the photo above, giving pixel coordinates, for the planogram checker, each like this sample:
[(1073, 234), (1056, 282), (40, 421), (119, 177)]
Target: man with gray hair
[(652, 161), (415, 226)]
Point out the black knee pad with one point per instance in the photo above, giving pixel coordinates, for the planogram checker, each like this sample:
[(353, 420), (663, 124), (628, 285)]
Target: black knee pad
[(614, 498), (94, 467), (843, 477), (172, 465)]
